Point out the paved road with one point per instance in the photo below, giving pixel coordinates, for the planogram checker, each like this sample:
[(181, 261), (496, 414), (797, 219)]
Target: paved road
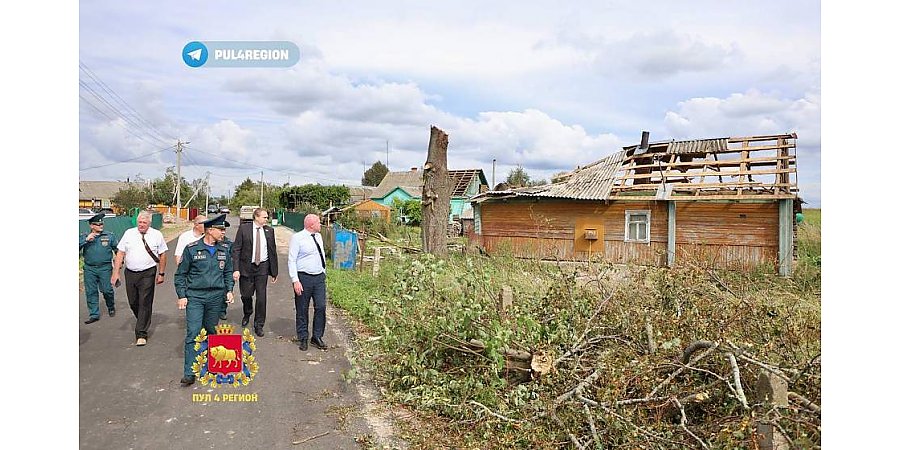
[(130, 397)]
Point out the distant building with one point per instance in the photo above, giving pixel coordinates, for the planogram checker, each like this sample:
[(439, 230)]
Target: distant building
[(464, 184), (98, 194)]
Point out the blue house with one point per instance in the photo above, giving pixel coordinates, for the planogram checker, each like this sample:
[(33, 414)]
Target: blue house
[(464, 184)]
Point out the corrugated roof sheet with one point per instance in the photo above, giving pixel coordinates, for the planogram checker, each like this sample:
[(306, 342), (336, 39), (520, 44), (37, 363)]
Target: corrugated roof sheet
[(88, 190), (698, 146), (592, 182)]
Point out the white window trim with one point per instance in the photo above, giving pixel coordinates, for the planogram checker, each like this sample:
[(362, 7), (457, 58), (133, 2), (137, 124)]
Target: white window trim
[(628, 214)]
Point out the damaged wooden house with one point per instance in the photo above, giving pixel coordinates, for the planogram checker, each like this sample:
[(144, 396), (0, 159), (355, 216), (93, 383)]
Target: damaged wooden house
[(728, 202)]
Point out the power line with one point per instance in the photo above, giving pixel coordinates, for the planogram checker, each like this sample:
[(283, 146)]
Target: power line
[(122, 102), (86, 101), (124, 161)]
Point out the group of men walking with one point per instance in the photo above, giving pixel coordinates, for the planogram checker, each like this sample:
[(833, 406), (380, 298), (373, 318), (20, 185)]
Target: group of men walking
[(208, 266)]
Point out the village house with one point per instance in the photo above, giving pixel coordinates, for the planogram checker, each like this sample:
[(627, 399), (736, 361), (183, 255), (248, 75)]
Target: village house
[(728, 202), (402, 186)]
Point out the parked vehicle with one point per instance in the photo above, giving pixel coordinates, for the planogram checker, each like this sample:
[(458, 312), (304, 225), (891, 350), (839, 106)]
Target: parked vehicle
[(84, 214), (224, 210), (107, 212), (212, 209), (247, 213)]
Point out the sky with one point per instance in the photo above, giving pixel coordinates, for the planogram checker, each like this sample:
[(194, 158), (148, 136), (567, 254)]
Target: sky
[(545, 85)]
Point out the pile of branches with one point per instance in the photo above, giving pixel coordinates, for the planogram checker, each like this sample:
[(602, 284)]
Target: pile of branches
[(623, 358)]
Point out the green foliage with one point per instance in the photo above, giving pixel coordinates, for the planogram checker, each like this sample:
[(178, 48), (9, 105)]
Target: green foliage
[(162, 190), (322, 197), (518, 177), (134, 196), (420, 313), (373, 175), (247, 194), (411, 209)]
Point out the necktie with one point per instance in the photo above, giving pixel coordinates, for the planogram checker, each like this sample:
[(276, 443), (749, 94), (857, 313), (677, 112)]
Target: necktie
[(321, 255), (147, 247), (256, 254)]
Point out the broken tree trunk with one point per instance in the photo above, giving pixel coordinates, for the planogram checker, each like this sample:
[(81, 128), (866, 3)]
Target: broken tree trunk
[(436, 195)]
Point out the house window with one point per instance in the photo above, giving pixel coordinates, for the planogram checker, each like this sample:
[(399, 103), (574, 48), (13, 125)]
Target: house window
[(637, 226)]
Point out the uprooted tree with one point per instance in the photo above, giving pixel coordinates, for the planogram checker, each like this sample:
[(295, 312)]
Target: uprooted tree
[(436, 195)]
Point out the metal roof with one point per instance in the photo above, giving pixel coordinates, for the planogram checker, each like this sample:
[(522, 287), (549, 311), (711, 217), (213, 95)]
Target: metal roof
[(592, 182), (701, 146)]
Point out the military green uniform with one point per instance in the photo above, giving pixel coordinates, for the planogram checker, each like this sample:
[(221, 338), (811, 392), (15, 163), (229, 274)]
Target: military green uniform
[(98, 254), (203, 277)]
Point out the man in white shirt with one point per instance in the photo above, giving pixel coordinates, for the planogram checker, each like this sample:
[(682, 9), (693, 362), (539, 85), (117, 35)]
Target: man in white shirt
[(189, 236), (306, 264), (142, 249)]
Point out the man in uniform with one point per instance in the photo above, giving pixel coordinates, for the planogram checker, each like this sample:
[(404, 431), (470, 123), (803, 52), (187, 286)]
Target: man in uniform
[(203, 277), (99, 247)]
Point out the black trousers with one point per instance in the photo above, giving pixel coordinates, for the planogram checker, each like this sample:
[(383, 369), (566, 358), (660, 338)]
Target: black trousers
[(255, 282), (313, 288), (140, 287)]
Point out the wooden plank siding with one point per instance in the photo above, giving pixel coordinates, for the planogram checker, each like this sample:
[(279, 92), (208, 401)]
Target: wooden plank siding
[(725, 235)]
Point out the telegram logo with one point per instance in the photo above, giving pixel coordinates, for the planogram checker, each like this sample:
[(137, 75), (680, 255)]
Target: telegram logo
[(194, 54), (240, 54)]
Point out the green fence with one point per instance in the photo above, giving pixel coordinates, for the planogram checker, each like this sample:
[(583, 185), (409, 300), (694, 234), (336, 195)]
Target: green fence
[(294, 220), (117, 225)]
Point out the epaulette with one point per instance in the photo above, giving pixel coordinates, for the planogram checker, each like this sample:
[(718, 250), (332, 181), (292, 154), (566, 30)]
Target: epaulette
[(197, 242)]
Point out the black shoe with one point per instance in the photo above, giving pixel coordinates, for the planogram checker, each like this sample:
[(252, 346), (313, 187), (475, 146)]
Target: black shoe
[(245, 321), (112, 313), (259, 331), (318, 342), (187, 381), (92, 320), (302, 345)]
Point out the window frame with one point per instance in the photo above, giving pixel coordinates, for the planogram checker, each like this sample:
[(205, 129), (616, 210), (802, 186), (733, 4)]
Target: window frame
[(629, 213)]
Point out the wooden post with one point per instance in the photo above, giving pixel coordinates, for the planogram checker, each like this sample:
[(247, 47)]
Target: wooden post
[(785, 237), (506, 298), (375, 263), (436, 195), (670, 242)]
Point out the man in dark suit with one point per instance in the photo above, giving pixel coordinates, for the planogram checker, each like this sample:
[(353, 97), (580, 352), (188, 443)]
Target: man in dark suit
[(254, 257)]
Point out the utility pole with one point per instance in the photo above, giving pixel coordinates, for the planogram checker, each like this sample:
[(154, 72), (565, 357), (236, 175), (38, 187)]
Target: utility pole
[(207, 194), (178, 150), (260, 189), (387, 145)]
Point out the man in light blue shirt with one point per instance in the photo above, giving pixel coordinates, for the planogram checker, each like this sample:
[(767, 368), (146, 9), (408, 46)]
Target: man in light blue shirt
[(306, 264)]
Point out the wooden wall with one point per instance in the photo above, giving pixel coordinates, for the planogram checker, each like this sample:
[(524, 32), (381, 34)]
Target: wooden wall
[(735, 235), (732, 235)]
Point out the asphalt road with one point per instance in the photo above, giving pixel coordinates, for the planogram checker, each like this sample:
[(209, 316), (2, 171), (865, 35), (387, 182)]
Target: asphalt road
[(131, 398)]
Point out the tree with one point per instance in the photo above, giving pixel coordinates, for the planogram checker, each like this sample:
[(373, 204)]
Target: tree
[(411, 209), (134, 196), (162, 190), (518, 177), (322, 197), (247, 194), (374, 175)]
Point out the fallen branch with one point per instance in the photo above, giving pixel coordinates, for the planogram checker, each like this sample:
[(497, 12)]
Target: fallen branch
[(404, 247), (737, 379), (712, 346), (683, 423), (499, 416), (804, 402), (310, 438), (590, 417)]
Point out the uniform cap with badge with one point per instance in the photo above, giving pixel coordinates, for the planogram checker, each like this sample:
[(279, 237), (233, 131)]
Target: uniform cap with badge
[(97, 219), (216, 222)]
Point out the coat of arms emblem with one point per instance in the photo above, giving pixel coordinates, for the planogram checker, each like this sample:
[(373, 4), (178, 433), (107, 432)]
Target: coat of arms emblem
[(225, 357)]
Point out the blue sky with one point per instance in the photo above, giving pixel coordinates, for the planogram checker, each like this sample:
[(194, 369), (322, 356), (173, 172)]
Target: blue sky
[(535, 83)]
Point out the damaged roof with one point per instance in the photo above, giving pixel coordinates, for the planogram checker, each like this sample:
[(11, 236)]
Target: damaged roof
[(678, 167)]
